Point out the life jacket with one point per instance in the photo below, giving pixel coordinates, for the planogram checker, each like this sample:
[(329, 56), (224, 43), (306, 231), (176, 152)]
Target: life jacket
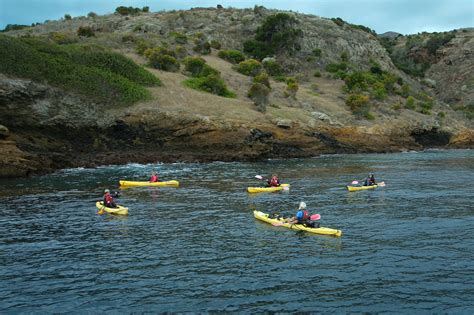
[(274, 182), (108, 199), (302, 215), (153, 178)]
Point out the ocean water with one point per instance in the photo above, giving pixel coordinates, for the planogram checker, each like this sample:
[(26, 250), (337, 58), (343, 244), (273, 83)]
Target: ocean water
[(407, 247)]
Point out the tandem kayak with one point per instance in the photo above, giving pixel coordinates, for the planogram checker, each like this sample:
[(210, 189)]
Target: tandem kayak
[(129, 183), (356, 188), (119, 210), (298, 227), (268, 189)]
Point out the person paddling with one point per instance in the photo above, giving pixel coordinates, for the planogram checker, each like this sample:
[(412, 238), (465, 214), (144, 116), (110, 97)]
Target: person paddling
[(302, 215), (154, 177), (109, 200), (370, 180), (274, 181)]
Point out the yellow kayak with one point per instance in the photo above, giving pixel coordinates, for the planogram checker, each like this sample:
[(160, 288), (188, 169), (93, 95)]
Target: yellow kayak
[(299, 227), (119, 210), (356, 188), (129, 183), (268, 189)]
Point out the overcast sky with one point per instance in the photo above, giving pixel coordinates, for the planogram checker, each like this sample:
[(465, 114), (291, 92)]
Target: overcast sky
[(402, 16)]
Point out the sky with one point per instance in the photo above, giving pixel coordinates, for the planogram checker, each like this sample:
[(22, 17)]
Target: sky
[(402, 16)]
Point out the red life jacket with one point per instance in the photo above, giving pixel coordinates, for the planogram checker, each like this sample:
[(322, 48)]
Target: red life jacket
[(305, 215), (154, 178), (108, 198), (274, 182)]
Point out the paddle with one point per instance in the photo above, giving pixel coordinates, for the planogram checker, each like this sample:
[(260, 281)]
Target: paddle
[(101, 210), (284, 187)]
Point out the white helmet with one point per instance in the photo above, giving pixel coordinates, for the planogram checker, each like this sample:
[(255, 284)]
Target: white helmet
[(302, 205), (106, 191)]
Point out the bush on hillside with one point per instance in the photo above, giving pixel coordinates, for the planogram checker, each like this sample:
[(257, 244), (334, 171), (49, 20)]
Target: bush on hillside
[(92, 15), (211, 84), (85, 31), (231, 55), (201, 45), (72, 68), (276, 35), (272, 67), (258, 93), (197, 67), (122, 10), (215, 44), (162, 58), (262, 78), (67, 17), (291, 89), (63, 38), (179, 38), (358, 103), (250, 67), (14, 27)]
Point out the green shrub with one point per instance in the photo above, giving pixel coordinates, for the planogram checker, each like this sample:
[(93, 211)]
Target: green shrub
[(441, 115), (142, 46), (14, 27), (258, 93), (378, 91), (63, 38), (335, 67), (277, 34), (127, 10), (197, 67), (358, 103), (262, 78), (201, 45), (316, 52), (231, 55), (410, 103), (73, 68), (344, 57), (179, 38), (273, 68), (250, 67), (257, 50), (338, 21), (317, 74), (92, 14), (291, 89), (162, 59), (211, 84), (215, 44), (85, 31), (67, 17), (369, 116), (146, 9)]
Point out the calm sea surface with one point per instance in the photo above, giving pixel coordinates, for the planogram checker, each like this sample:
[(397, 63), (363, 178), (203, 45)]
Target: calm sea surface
[(405, 248)]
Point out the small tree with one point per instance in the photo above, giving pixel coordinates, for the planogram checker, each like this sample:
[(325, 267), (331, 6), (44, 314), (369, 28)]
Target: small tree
[(201, 45), (258, 93), (231, 55), (67, 17), (92, 14), (263, 79), (250, 67), (85, 31)]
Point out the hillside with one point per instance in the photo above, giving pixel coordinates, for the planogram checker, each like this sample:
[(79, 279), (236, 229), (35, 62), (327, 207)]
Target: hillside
[(329, 87)]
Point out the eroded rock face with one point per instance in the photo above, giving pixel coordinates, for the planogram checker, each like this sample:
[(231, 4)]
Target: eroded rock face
[(43, 129)]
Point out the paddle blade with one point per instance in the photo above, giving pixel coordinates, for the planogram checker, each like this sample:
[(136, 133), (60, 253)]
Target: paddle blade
[(258, 177), (315, 217), (381, 184), (285, 187), (354, 182)]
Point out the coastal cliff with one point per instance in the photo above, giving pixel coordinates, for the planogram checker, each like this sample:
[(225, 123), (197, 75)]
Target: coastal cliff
[(46, 125)]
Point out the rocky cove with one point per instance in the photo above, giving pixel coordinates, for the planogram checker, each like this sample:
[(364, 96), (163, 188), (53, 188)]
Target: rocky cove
[(45, 129)]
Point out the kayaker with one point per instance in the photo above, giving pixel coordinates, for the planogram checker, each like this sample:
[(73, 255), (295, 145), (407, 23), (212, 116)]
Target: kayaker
[(302, 215), (154, 177), (274, 181), (109, 200), (370, 180)]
